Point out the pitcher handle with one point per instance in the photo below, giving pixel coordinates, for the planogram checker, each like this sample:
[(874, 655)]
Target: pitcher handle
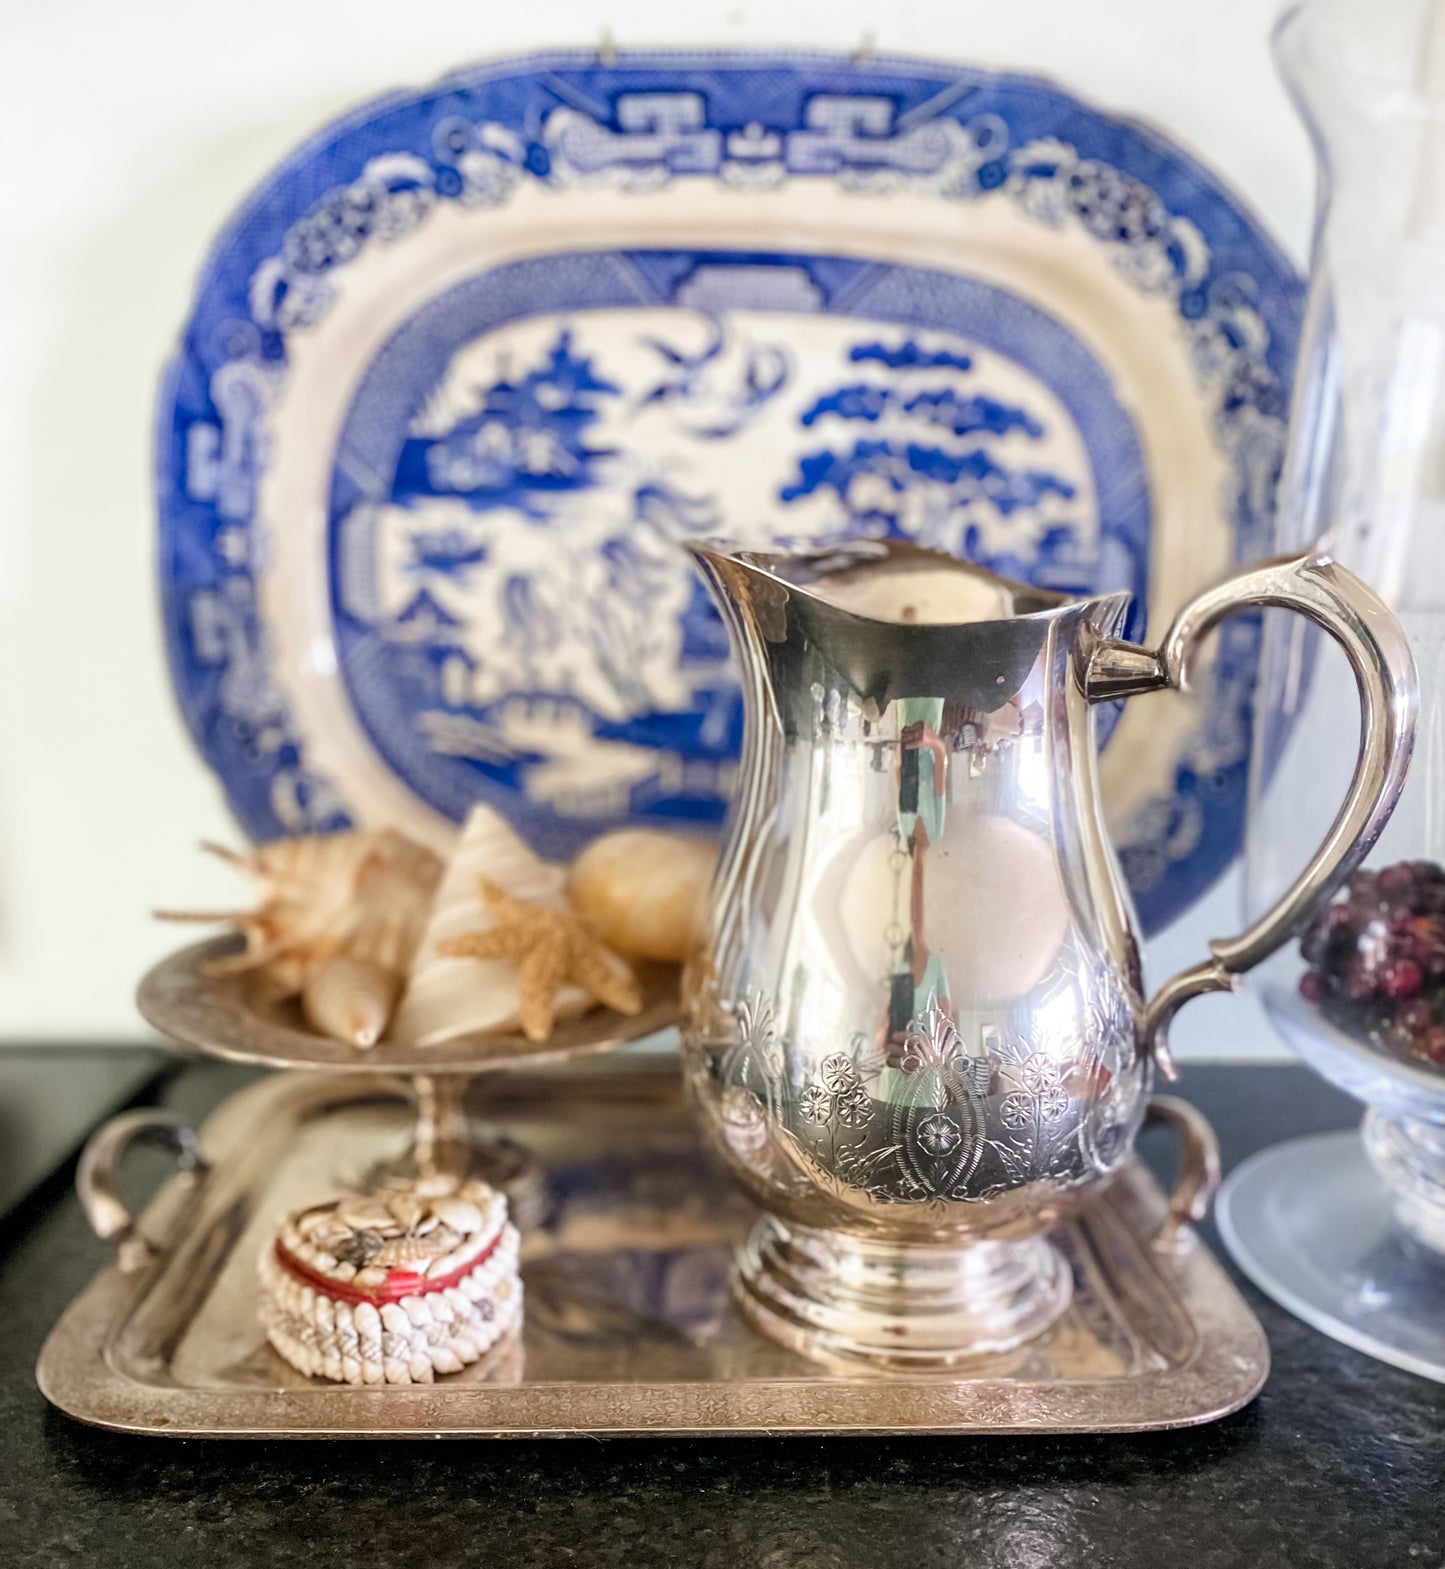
[(1375, 645), (1198, 1179)]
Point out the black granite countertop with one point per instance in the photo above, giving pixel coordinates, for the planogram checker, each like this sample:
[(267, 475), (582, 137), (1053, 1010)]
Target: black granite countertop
[(1339, 1462)]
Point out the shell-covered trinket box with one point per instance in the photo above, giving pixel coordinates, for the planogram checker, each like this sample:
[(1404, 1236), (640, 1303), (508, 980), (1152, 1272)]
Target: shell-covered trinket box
[(394, 1284)]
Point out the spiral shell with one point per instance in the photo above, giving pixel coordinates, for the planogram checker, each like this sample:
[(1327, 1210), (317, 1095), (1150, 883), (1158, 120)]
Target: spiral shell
[(359, 897)]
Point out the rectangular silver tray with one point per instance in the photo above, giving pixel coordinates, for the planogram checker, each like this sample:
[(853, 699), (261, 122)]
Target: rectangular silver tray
[(629, 1327)]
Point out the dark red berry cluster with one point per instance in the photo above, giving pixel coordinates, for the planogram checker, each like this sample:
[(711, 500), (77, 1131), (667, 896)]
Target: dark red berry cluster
[(1376, 957)]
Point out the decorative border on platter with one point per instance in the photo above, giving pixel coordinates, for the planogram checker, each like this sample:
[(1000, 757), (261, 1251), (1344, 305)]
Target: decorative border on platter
[(563, 122)]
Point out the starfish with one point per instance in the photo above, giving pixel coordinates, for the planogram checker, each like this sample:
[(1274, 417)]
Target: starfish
[(553, 948)]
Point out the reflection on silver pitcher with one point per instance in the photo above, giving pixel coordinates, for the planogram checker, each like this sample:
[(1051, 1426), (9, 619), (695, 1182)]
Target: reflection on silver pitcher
[(916, 1029)]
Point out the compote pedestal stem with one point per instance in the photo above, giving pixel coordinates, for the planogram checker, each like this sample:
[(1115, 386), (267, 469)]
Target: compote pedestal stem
[(448, 1142)]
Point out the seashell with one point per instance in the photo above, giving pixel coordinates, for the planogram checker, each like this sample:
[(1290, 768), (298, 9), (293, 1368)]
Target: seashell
[(434, 1330), (458, 1213), (465, 1346), (363, 1213), (408, 1210), (363, 895), (642, 892), (333, 1236), (435, 1183), (447, 998), (405, 1250), (351, 999), (359, 1248)]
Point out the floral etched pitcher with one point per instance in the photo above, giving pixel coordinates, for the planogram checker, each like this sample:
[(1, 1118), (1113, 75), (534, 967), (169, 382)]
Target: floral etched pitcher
[(916, 1029)]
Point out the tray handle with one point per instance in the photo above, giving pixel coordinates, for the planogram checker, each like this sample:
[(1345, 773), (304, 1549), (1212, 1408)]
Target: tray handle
[(99, 1161), (1198, 1179)]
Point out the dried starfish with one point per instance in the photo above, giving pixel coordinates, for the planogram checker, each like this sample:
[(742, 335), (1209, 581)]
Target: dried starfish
[(553, 948)]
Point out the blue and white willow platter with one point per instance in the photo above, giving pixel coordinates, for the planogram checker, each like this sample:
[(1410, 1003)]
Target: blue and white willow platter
[(470, 362)]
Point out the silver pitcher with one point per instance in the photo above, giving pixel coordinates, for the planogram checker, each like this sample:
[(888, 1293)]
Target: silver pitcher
[(916, 1028)]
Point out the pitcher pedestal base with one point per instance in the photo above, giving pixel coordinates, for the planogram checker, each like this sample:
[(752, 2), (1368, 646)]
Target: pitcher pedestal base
[(900, 1307)]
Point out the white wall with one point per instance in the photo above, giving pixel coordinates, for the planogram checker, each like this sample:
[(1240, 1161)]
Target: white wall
[(128, 130)]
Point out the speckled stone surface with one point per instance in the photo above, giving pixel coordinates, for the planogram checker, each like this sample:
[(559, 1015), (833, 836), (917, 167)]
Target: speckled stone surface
[(1341, 1461)]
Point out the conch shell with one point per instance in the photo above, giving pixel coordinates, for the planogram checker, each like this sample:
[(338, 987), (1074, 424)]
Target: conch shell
[(642, 891), (448, 997), (358, 897)]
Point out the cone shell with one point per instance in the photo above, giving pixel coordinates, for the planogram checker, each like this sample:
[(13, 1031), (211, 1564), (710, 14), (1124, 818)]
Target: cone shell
[(643, 892), (351, 999), (447, 998)]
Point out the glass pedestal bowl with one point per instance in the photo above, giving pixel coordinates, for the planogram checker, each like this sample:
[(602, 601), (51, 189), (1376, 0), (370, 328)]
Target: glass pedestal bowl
[(1347, 1230)]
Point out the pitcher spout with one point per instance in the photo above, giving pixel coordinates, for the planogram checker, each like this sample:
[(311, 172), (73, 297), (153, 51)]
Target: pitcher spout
[(751, 600), (884, 619), (888, 581), (727, 572)]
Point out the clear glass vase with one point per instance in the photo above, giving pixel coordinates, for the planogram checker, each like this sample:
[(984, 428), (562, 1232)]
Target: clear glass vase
[(1349, 1232)]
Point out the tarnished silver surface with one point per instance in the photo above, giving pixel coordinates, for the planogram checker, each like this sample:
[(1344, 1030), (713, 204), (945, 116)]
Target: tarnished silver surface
[(231, 1017), (630, 1326), (918, 1021), (95, 1177)]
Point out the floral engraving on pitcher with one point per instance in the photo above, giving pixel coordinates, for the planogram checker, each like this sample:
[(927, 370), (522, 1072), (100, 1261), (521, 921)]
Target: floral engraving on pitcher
[(749, 1091), (930, 1119), (755, 1060), (1042, 1097), (932, 1045)]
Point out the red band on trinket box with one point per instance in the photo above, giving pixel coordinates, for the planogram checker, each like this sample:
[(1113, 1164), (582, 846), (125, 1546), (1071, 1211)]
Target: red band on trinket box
[(399, 1283)]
